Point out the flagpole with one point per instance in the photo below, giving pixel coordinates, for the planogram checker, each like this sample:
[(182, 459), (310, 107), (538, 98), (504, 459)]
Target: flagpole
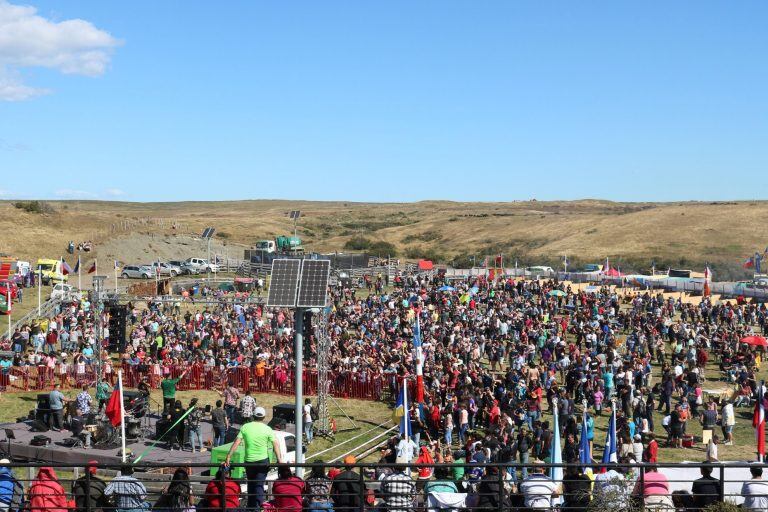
[(10, 309), (122, 411), (406, 417), (96, 266), (115, 277), (79, 281), (39, 288)]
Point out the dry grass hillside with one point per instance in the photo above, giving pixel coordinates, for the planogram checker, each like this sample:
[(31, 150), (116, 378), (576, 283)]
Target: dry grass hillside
[(631, 234)]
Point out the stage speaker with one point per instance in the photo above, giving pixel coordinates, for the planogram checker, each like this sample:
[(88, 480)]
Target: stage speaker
[(161, 427), (38, 426), (117, 318), (44, 402), (231, 435)]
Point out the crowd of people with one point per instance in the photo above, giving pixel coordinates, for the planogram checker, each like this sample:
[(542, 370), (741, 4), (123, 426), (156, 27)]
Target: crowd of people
[(497, 358)]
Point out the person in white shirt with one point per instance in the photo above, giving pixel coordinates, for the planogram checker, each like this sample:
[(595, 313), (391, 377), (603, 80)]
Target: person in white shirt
[(308, 420), (755, 491), (538, 489), (405, 449), (728, 422)]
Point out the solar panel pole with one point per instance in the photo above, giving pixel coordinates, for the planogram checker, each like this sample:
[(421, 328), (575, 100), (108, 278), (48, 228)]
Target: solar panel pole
[(298, 349)]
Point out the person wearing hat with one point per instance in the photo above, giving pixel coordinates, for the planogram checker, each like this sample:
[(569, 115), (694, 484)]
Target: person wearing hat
[(347, 490), (88, 491), (257, 438)]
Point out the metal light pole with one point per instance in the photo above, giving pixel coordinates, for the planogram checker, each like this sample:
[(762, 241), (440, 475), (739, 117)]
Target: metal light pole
[(298, 348)]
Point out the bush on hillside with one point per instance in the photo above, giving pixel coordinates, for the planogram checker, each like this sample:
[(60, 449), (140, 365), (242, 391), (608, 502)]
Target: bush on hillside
[(34, 206)]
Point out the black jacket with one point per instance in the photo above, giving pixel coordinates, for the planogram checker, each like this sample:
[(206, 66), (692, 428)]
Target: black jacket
[(93, 495), (705, 490), (347, 492), (492, 495)]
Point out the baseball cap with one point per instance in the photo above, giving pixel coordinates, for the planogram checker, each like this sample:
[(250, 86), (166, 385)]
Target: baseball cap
[(259, 412), (4, 461)]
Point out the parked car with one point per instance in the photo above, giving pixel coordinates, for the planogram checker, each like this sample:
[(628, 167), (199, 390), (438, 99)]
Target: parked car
[(183, 267), (137, 272), (166, 269), (538, 270), (63, 291), (200, 265)]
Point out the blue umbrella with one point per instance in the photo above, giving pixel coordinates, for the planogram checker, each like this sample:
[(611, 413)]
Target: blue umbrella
[(446, 289)]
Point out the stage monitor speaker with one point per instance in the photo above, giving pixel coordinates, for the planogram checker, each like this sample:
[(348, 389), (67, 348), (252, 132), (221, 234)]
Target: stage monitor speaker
[(38, 426)]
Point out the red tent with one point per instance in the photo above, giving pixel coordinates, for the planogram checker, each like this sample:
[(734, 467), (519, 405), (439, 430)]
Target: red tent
[(612, 272), (426, 265), (756, 341)]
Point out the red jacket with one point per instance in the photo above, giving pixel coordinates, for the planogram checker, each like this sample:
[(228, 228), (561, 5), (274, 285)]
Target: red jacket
[(231, 494), (46, 493)]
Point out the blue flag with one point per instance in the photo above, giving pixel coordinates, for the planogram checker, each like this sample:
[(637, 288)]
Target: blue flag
[(610, 453), (400, 414)]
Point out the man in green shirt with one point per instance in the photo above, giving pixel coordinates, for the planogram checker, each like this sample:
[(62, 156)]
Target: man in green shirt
[(168, 386), (257, 437), (103, 392)]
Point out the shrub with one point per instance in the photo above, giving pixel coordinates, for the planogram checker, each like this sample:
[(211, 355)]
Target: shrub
[(722, 506), (34, 206)]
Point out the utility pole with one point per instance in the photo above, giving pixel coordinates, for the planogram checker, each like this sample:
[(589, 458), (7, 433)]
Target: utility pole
[(298, 349)]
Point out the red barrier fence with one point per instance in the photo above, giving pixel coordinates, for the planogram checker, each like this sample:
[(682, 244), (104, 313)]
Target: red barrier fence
[(358, 385)]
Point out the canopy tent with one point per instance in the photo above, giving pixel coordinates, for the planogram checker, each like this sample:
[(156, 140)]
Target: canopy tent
[(426, 265)]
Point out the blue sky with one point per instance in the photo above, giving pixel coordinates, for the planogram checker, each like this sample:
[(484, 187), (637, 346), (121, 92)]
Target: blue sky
[(389, 101)]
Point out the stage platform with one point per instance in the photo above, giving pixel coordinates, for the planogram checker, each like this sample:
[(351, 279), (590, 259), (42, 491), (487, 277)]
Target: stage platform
[(56, 452)]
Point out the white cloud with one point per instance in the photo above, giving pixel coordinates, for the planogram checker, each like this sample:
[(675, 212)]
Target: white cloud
[(68, 193), (114, 192), (30, 40)]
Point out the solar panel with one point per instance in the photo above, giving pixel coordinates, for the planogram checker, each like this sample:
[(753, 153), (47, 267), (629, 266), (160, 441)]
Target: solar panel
[(313, 289), (295, 214), (283, 284), (208, 232)]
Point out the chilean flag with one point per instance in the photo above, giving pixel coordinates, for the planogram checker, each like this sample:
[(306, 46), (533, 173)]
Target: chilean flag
[(65, 268), (707, 279), (610, 454), (748, 263), (419, 361), (113, 411), (758, 422)]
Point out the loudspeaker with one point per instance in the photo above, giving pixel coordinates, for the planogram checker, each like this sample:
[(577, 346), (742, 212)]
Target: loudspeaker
[(161, 427), (231, 435), (44, 402), (117, 317), (38, 426)]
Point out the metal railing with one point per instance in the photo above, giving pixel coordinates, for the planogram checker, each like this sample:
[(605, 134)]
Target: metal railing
[(386, 487)]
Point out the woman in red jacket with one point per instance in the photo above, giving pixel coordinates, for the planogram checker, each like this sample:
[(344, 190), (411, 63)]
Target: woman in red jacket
[(224, 486), (46, 493)]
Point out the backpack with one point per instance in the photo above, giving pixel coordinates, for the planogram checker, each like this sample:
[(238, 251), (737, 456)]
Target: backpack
[(313, 413)]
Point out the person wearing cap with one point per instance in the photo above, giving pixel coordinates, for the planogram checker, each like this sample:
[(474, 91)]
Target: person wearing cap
[(11, 490), (257, 438), (88, 491), (347, 488)]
